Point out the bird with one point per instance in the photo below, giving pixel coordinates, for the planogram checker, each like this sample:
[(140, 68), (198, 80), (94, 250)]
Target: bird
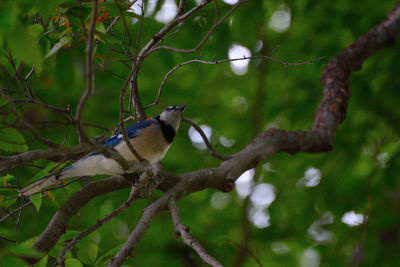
[(150, 138)]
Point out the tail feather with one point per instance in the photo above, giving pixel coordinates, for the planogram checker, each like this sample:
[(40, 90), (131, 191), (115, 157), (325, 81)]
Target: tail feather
[(39, 185), (87, 166)]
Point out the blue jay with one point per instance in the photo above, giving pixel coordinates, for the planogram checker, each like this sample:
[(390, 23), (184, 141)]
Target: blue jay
[(150, 138)]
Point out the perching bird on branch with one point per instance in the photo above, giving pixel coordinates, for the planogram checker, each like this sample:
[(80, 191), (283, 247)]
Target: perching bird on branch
[(150, 139)]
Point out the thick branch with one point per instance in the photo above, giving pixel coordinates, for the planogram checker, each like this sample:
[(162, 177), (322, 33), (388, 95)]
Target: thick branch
[(335, 77), (135, 194), (57, 154), (138, 232), (57, 226)]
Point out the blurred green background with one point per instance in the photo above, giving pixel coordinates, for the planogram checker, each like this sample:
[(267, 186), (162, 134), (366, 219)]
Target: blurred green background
[(334, 209)]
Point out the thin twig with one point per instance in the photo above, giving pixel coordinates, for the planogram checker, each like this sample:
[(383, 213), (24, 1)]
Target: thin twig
[(116, 51), (27, 125), (41, 104), (136, 193), (139, 34), (16, 73), (216, 12), (141, 115), (123, 130), (206, 37), (127, 31), (81, 18), (114, 74), (7, 239), (181, 8), (167, 36), (91, 229), (183, 231), (205, 139), (112, 24), (212, 62), (89, 74), (18, 218), (247, 250), (28, 88), (10, 213), (60, 186)]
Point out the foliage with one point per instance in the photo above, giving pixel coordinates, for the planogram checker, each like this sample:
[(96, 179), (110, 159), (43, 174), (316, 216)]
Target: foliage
[(359, 174)]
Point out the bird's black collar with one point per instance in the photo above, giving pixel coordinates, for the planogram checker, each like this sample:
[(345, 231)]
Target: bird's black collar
[(167, 130)]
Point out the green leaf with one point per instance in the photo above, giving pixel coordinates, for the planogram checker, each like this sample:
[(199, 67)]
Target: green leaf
[(56, 250), (23, 44), (99, 60), (8, 178), (7, 202), (72, 262), (42, 262), (3, 101), (46, 8), (51, 27), (102, 261), (109, 39), (12, 261), (8, 19), (54, 35), (37, 201), (24, 250), (99, 27), (66, 40), (69, 234), (29, 242), (43, 172), (88, 253), (12, 141), (35, 30)]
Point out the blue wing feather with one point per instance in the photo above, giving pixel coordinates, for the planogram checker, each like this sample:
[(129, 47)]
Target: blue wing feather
[(132, 131)]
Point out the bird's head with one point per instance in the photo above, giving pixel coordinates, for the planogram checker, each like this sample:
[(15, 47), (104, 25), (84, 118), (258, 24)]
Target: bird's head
[(172, 115)]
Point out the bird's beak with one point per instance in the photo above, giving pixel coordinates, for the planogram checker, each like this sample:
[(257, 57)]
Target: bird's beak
[(181, 107)]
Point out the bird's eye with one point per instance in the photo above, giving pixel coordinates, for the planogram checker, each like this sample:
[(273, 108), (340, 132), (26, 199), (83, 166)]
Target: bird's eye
[(170, 108)]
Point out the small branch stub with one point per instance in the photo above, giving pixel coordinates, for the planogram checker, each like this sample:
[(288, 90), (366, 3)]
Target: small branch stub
[(228, 186)]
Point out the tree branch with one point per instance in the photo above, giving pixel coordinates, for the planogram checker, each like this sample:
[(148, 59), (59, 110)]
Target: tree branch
[(183, 231), (89, 74), (215, 62), (134, 195), (207, 36), (132, 77), (203, 135), (138, 232), (57, 226), (335, 77), (54, 154), (141, 115)]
